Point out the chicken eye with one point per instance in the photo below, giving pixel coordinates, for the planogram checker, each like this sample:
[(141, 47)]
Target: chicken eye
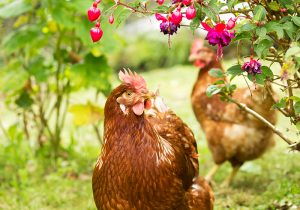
[(128, 93)]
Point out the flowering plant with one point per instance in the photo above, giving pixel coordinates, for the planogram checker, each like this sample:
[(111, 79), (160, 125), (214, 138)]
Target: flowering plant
[(271, 30)]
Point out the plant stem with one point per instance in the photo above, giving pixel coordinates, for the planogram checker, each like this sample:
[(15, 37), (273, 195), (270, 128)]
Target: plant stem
[(290, 91), (58, 93), (134, 9), (294, 145)]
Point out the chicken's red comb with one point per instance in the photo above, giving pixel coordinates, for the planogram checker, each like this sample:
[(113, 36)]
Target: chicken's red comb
[(132, 78), (198, 44)]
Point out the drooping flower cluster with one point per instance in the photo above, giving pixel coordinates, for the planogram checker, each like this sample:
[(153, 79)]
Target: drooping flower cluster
[(219, 35), (252, 67), (171, 22), (167, 26), (94, 14)]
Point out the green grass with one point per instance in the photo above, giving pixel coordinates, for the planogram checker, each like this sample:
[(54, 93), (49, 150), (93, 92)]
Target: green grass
[(33, 182)]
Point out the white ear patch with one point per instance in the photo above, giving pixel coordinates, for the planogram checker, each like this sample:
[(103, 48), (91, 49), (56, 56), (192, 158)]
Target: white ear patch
[(123, 108)]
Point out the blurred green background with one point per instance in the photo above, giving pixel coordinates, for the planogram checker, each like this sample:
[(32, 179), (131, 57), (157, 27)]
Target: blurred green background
[(53, 84)]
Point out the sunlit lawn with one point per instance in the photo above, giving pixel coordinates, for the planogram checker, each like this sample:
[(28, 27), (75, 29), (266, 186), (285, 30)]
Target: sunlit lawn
[(24, 184)]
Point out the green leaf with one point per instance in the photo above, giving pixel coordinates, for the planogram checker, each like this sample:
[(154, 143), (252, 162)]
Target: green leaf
[(258, 78), (13, 77), (24, 100), (248, 27), (285, 3), (296, 20), (20, 38), (295, 98), (242, 35), (79, 5), (82, 31), (235, 70), (274, 6), (297, 107), (290, 29), (93, 72), (261, 32), (63, 16), (122, 16), (37, 69), (281, 104), (210, 13), (15, 8), (219, 82), (259, 13), (262, 48), (217, 73), (267, 71), (298, 126), (231, 3), (194, 24), (161, 9), (212, 90), (275, 27)]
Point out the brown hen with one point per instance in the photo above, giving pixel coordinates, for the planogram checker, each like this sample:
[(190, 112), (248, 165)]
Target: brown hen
[(141, 167), (232, 134)]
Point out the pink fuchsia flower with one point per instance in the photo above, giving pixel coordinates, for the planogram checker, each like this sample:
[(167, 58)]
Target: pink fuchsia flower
[(252, 67), (218, 35)]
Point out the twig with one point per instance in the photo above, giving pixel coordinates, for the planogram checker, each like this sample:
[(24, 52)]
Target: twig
[(292, 144), (243, 11), (268, 88), (290, 91), (135, 9), (247, 85)]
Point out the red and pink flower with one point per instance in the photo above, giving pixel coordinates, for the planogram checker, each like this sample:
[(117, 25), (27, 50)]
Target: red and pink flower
[(219, 35)]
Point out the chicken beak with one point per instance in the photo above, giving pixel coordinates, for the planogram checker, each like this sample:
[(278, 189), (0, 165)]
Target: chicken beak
[(148, 95)]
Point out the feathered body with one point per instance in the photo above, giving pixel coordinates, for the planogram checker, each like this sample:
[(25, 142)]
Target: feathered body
[(232, 134), (140, 167)]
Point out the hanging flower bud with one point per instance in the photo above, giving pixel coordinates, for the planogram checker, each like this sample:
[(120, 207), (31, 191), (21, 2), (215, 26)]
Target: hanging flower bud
[(160, 2), (93, 13), (96, 32), (186, 2), (190, 12), (111, 19)]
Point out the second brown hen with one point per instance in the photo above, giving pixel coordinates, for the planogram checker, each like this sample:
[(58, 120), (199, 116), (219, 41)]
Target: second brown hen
[(232, 134)]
